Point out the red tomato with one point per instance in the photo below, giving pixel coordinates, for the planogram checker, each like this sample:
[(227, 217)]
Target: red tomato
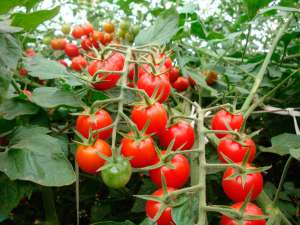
[(88, 29), (97, 121), (182, 132), (71, 50), (97, 36), (192, 81), (142, 151), (58, 43), (130, 84), (63, 62), (27, 92), (150, 83), (23, 72), (174, 73), (91, 54), (222, 117), (234, 188), (181, 84), (114, 62), (155, 113), (78, 63), (152, 207), (107, 38), (86, 44), (177, 176), (167, 60), (234, 150), (211, 77), (141, 70), (251, 209), (30, 52), (78, 32), (87, 158)]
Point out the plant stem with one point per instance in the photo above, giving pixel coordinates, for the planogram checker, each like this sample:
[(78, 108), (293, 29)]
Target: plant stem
[(49, 206), (247, 41), (264, 66)]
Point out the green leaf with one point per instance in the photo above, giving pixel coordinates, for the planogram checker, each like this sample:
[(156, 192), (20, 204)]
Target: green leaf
[(5, 27), (30, 21), (185, 213), (51, 97), (146, 221), (254, 5), (127, 222), (6, 5), (26, 132), (3, 217), (4, 83), (37, 158), (161, 32), (284, 144), (12, 108), (10, 51), (11, 192), (43, 68)]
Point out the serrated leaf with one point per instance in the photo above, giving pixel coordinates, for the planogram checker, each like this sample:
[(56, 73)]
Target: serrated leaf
[(12, 108), (161, 32), (29, 21), (51, 97), (37, 158), (185, 213), (11, 192), (10, 51)]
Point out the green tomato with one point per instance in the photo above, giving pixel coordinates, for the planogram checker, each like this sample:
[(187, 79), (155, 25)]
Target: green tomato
[(129, 37), (66, 28), (117, 174), (124, 25), (121, 33), (47, 40), (135, 29)]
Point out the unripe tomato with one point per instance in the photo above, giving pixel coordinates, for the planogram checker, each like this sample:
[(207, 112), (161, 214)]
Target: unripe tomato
[(87, 158), (47, 40), (152, 208), (63, 62), (211, 77), (107, 38), (251, 209), (176, 175), (71, 50), (115, 62), (23, 72), (236, 151), (155, 113), (121, 33), (66, 28), (78, 63), (58, 43), (117, 174), (108, 27), (94, 122), (129, 37), (124, 25), (221, 118), (183, 134), (88, 29), (135, 29), (236, 189), (181, 84), (78, 32), (86, 44), (142, 152), (174, 73), (150, 82)]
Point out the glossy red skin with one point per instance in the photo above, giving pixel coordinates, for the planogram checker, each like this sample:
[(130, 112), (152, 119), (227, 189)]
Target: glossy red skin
[(107, 38), (78, 63), (142, 152), (58, 43), (87, 158), (150, 83), (86, 44), (115, 62), (155, 113), (181, 84), (97, 36), (236, 191), (236, 151), (71, 50), (183, 133), (176, 177), (23, 72), (251, 209), (88, 29), (152, 207), (63, 62), (141, 70), (167, 62), (100, 120), (174, 73), (30, 52), (78, 32), (235, 121)]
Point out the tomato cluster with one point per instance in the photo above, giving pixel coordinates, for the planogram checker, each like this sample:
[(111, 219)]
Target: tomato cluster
[(243, 181)]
